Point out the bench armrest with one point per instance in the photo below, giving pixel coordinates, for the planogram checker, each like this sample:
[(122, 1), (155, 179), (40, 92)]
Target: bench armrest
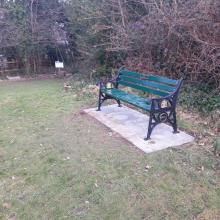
[(170, 99), (156, 103), (102, 84)]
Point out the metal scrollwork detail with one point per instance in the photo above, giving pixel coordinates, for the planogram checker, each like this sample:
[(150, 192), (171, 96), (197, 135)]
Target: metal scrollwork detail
[(162, 117), (164, 104), (109, 85)]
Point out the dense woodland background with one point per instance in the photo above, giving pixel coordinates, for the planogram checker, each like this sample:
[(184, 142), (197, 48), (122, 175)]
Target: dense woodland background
[(169, 37)]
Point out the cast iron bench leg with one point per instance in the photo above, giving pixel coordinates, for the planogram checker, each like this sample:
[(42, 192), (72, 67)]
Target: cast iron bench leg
[(100, 101), (119, 102), (175, 130), (150, 128)]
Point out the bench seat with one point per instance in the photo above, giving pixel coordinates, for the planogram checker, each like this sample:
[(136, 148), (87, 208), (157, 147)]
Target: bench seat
[(144, 104), (162, 107)]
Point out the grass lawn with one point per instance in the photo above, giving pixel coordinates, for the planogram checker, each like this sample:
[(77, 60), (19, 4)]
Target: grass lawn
[(56, 163)]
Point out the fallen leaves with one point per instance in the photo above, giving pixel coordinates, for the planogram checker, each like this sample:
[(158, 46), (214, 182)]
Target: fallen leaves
[(147, 167), (110, 134), (67, 158), (6, 205), (201, 169), (209, 214)]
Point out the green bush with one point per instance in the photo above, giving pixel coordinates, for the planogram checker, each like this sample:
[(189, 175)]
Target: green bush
[(216, 146), (199, 98)]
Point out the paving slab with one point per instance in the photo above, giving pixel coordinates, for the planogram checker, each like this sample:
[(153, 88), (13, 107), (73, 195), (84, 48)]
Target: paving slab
[(132, 125)]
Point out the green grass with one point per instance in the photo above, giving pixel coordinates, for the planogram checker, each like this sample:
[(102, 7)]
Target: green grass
[(56, 163)]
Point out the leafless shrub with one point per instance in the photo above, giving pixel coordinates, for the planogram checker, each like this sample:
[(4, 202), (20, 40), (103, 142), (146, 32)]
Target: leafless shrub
[(170, 36)]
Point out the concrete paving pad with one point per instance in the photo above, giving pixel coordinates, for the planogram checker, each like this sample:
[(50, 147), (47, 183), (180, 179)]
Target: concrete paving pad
[(132, 125)]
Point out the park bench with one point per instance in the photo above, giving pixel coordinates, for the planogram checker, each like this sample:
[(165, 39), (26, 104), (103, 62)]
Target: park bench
[(161, 104)]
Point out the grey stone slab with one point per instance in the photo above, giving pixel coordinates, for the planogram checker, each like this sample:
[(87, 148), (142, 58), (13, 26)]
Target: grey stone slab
[(132, 125)]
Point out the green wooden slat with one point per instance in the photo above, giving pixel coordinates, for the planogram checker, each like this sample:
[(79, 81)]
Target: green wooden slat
[(150, 84), (161, 79), (155, 78), (121, 93), (129, 98), (130, 74), (145, 89)]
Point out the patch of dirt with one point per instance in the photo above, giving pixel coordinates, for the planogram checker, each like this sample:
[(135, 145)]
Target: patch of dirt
[(37, 77), (208, 123), (208, 214)]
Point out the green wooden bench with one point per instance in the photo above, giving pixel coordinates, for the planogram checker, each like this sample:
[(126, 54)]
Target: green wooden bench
[(162, 107)]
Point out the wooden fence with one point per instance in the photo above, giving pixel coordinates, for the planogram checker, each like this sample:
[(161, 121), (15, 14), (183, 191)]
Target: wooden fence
[(8, 67)]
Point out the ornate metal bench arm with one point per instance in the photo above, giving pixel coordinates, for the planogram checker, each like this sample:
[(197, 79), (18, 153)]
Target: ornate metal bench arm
[(103, 84), (113, 81), (161, 103), (167, 102), (164, 113)]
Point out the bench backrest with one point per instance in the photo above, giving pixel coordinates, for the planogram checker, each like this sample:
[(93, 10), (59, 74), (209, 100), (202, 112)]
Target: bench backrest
[(152, 84)]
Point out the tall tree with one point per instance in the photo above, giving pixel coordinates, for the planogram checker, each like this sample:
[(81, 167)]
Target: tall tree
[(34, 29)]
